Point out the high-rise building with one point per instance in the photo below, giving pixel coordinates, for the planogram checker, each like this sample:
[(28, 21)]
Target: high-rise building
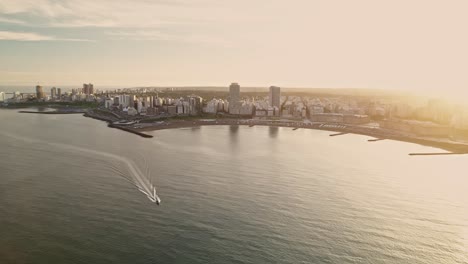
[(85, 88), (275, 96), (2, 97), (53, 92), (88, 88), (234, 97), (234, 93), (39, 92), (59, 93), (131, 101)]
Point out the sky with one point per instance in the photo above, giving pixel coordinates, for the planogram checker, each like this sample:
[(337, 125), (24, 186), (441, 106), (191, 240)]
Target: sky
[(411, 45)]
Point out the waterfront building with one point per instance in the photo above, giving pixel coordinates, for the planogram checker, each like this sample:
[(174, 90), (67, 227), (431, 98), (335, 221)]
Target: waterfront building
[(273, 111), (59, 93), (247, 109), (275, 96), (108, 102), (171, 109), (152, 111), (143, 110), (261, 112), (157, 101), (131, 101), (186, 107), (195, 104), (53, 93), (2, 97), (139, 106), (39, 92), (234, 93), (214, 106)]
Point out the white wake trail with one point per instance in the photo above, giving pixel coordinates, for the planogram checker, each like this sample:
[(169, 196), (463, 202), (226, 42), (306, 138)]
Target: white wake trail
[(139, 180)]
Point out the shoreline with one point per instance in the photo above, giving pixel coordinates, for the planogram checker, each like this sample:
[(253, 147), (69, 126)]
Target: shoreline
[(341, 129)]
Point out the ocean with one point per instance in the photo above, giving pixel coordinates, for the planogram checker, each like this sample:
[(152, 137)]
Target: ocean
[(230, 194)]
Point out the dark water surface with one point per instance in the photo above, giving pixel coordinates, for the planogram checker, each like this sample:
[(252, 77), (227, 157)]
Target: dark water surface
[(229, 195)]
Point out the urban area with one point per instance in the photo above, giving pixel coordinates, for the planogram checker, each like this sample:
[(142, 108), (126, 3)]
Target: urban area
[(148, 107)]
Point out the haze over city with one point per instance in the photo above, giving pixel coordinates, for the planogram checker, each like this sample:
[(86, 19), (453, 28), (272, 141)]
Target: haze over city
[(216, 131), (404, 45)]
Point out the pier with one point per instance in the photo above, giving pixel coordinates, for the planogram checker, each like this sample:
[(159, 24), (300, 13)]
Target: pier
[(376, 139), (131, 131), (437, 153), (338, 134)]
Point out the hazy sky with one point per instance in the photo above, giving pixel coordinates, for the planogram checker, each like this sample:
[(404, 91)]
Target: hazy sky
[(402, 44)]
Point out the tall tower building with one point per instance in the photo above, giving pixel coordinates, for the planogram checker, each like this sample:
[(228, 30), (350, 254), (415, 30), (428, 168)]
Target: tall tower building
[(90, 88), (59, 93), (234, 93), (275, 96), (39, 92), (85, 88), (53, 92)]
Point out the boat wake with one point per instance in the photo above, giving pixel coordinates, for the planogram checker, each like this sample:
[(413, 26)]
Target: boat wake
[(136, 177)]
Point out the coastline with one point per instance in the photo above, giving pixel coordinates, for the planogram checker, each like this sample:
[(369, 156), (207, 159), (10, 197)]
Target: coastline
[(339, 129), (378, 133)]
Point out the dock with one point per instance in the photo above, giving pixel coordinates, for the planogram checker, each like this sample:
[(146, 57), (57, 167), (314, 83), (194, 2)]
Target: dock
[(338, 134), (131, 131), (437, 153), (376, 139)]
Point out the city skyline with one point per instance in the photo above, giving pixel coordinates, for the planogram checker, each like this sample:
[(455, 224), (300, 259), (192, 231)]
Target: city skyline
[(305, 44)]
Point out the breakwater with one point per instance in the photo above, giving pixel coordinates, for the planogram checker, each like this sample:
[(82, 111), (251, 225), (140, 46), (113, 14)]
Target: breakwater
[(53, 112), (130, 130)]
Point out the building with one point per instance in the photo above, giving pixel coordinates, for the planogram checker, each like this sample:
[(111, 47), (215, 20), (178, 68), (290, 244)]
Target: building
[(132, 111), (53, 92), (195, 104), (39, 92), (108, 102), (2, 97), (215, 105), (59, 93), (152, 111), (131, 101), (234, 93), (88, 88), (275, 96), (172, 109), (247, 109)]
